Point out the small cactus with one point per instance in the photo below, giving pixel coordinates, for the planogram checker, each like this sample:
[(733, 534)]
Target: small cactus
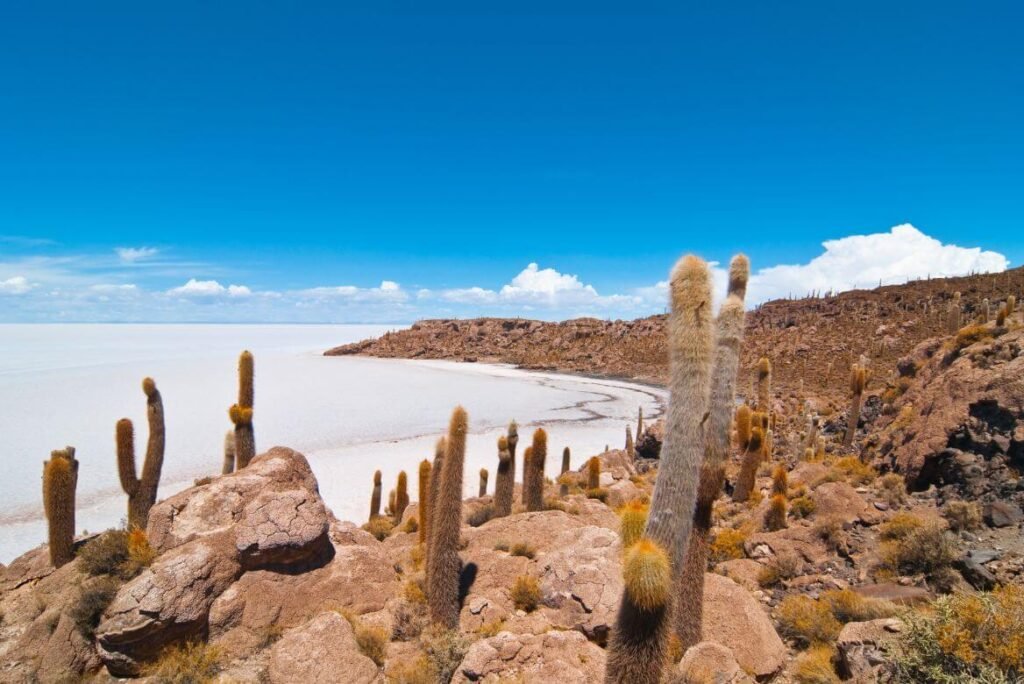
[(60, 480), (563, 487), (241, 412), (743, 418), (632, 521), (858, 381), (775, 517), (504, 484), (483, 482), (593, 473), (780, 480), (764, 385), (513, 438), (375, 497), (533, 486), (444, 561), (524, 494), (630, 452), (640, 423), (141, 491), (748, 468), (953, 316), (423, 510), (401, 497)]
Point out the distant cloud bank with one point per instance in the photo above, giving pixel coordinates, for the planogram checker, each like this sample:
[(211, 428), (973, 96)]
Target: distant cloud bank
[(59, 289)]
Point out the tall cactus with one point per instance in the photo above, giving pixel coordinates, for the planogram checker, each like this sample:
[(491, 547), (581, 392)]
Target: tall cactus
[(858, 380), (60, 479), (423, 510), (444, 562), (142, 491), (630, 453), (524, 493), (483, 483), (743, 424), (593, 473), (638, 645), (533, 489), (689, 612), (640, 423), (563, 486), (752, 458), (241, 412), (435, 486), (764, 385), (504, 484), (953, 315), (375, 497), (229, 453), (401, 497), (513, 439)]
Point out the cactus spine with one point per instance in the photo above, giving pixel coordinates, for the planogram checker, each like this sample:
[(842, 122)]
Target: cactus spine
[(141, 491), (533, 478), (60, 479), (689, 612), (375, 497), (504, 484), (858, 380), (401, 497), (229, 453), (424, 504), (444, 563), (638, 645), (241, 413), (483, 482), (563, 487)]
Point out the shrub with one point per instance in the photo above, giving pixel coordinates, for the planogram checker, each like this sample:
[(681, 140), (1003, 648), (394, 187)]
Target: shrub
[(413, 591), (967, 637), (380, 527), (481, 515), (409, 620), (727, 544), (372, 641), (775, 516), (969, 335), (814, 666), (413, 671), (191, 663), (88, 608), (853, 470), (830, 531), (525, 593), (892, 489), (411, 525), (962, 515), (501, 545), (489, 629), (806, 621), (523, 549), (140, 553), (927, 548), (104, 555), (801, 507), (599, 493), (899, 526), (445, 650), (780, 568), (849, 606)]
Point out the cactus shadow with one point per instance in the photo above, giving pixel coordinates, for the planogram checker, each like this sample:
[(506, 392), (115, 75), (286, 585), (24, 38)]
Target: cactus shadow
[(467, 576)]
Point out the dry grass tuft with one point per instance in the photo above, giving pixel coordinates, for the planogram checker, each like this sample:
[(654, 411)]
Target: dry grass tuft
[(806, 621), (525, 593), (191, 663)]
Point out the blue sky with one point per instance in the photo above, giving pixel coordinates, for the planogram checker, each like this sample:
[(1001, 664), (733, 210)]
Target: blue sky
[(378, 162)]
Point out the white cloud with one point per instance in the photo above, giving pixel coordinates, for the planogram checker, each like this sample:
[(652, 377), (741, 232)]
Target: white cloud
[(116, 289), (130, 255), (389, 291), (862, 261), (209, 288), (15, 285)]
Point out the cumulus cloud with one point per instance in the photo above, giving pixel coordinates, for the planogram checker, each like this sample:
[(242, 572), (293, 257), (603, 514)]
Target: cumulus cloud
[(15, 285), (862, 261), (131, 255), (388, 291), (209, 288)]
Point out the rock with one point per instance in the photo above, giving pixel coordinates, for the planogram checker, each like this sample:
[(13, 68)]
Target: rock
[(743, 571), (281, 528), (734, 618), (976, 574), (168, 602), (622, 492), (898, 594), (1002, 514), (840, 500), (861, 647), (563, 657), (709, 662), (985, 555), (322, 651)]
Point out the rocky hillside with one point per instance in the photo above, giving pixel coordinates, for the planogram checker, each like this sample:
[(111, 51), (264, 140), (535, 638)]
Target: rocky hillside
[(811, 342)]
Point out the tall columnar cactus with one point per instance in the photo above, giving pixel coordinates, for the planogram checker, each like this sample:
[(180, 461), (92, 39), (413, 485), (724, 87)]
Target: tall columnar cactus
[(813, 423), (953, 316), (689, 613), (375, 497), (563, 486), (535, 493), (141, 491), (241, 412), (764, 385), (743, 417), (638, 645), (504, 484), (593, 473), (423, 510), (483, 482), (630, 453), (390, 510), (524, 494), (640, 423), (858, 380), (513, 439), (444, 562), (229, 453), (401, 497), (60, 479), (752, 458), (986, 311)]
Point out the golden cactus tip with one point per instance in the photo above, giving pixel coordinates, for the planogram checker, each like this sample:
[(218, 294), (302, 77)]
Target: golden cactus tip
[(483, 483), (647, 575), (632, 521)]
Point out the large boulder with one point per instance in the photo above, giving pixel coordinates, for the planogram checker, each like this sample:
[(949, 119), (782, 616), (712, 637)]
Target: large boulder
[(838, 500), (709, 662), (322, 651), (862, 648), (563, 657), (734, 618)]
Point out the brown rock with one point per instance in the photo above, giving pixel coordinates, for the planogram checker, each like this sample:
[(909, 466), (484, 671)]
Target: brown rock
[(708, 662), (563, 657), (281, 528), (322, 651), (862, 648), (896, 593), (840, 500), (733, 618), (743, 571)]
